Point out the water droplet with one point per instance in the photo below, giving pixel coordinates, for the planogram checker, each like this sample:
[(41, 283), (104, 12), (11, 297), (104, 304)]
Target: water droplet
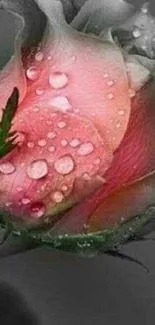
[(86, 250), (32, 73), (7, 168), (86, 149), (136, 32), (64, 188), (132, 93), (36, 109), (39, 91), (8, 204), (121, 112), (30, 145), (51, 149), (110, 96), (73, 58), (64, 165), (77, 110), (49, 58), (118, 125), (74, 143), (61, 102), (42, 143), (97, 161), (25, 200), (37, 210), (62, 124), (110, 82), (64, 143), (37, 169), (19, 189), (58, 80), (58, 196), (39, 56), (105, 75), (51, 135), (86, 177), (20, 139), (145, 8), (101, 179)]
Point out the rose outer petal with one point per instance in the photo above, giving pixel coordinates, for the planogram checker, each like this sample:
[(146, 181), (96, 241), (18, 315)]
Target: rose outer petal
[(133, 161)]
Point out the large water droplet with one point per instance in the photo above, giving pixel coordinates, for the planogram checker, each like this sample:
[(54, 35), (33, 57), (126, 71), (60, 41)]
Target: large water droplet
[(85, 149), (37, 210), (57, 196), (58, 80), (61, 102), (32, 73), (64, 165), (37, 169), (7, 168)]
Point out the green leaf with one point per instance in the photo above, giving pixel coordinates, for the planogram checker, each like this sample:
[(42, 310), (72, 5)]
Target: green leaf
[(7, 138)]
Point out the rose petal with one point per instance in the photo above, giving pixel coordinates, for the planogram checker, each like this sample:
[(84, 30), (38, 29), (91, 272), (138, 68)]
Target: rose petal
[(124, 204), (97, 76), (46, 165), (34, 18), (94, 16), (134, 160), (12, 74)]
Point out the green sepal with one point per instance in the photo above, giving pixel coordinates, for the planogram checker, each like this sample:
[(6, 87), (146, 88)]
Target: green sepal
[(7, 138), (84, 244)]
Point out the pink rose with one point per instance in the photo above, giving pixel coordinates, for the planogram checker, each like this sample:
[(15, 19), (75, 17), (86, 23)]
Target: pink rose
[(84, 155)]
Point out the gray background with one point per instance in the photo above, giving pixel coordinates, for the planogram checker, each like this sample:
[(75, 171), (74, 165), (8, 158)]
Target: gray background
[(64, 289)]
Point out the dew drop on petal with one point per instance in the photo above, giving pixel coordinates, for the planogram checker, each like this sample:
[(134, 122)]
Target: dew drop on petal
[(20, 139), (30, 145), (37, 169), (39, 56), (58, 80), (110, 82), (25, 200), (37, 210), (64, 143), (121, 112), (7, 168), (51, 149), (64, 188), (110, 96), (85, 149), (61, 102), (42, 143), (74, 143), (105, 75), (32, 73), (51, 135), (39, 91), (64, 165), (62, 124), (57, 196)]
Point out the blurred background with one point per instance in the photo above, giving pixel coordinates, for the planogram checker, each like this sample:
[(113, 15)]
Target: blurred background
[(48, 287)]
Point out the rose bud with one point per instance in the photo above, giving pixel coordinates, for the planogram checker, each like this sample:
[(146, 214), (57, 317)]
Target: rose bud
[(77, 131)]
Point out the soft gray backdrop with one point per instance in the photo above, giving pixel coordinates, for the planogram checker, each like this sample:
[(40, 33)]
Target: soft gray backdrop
[(63, 289)]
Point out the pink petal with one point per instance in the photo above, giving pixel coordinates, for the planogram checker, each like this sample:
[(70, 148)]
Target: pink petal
[(49, 160)]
